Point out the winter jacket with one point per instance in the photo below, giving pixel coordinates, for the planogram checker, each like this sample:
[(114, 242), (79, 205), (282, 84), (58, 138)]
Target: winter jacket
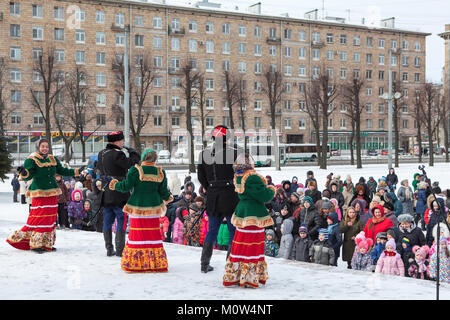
[(335, 236), (377, 251), (64, 197), (372, 185), (432, 222), (373, 227), (279, 221), (76, 211), (405, 195), (418, 270), (164, 226), (348, 245), (278, 202), (398, 207), (421, 204), (174, 184), (322, 253), (392, 265), (191, 228), (287, 239), (271, 248), (300, 249), (444, 266), (361, 261), (392, 179), (309, 217), (348, 191), (415, 181), (204, 228), (315, 194), (177, 233), (391, 216), (413, 234)]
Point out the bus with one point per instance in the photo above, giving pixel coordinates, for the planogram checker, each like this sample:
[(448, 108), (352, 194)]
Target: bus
[(300, 152), (262, 153)]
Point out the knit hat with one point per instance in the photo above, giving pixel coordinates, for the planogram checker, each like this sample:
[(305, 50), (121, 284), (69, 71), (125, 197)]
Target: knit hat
[(405, 217), (149, 155), (376, 198), (115, 136), (423, 251), (309, 200), (326, 204), (295, 194), (406, 241), (324, 232), (303, 228), (310, 173), (270, 232), (363, 242), (391, 243), (381, 235), (312, 183), (333, 216), (326, 193), (75, 192)]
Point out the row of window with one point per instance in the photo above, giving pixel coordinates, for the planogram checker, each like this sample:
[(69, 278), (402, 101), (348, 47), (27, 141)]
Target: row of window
[(119, 19)]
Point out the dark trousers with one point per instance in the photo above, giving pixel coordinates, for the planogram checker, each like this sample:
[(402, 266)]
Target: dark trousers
[(23, 199), (15, 196), (109, 215), (214, 226), (63, 218)]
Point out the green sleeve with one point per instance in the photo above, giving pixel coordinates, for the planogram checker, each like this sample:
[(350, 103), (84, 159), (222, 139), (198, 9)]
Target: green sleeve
[(130, 181), (65, 172), (256, 189), (163, 190), (30, 167)]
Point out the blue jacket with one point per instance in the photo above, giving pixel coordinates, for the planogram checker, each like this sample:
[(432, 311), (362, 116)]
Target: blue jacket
[(398, 206), (376, 252), (421, 205)]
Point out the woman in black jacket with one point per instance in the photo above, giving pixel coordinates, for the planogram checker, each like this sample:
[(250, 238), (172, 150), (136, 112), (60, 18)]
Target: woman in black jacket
[(311, 218)]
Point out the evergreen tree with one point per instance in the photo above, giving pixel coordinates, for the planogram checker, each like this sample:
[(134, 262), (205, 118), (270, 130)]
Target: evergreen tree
[(5, 159)]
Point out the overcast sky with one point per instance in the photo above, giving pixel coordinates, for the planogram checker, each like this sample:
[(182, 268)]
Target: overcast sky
[(428, 16)]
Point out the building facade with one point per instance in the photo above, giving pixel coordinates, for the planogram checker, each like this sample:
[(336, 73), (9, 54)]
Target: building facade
[(91, 35)]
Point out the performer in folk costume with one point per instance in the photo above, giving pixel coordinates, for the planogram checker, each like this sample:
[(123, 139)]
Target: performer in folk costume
[(38, 234), (246, 265), (144, 251)]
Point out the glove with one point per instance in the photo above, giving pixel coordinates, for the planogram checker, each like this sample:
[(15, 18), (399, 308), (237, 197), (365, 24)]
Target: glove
[(21, 169)]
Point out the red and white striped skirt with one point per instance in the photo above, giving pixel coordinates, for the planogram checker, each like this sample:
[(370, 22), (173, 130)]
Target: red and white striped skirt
[(246, 265), (144, 251), (39, 231)]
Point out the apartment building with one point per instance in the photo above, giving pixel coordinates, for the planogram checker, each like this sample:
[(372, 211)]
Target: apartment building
[(92, 35)]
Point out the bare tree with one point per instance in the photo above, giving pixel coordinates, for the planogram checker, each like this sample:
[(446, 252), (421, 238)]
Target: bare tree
[(190, 80), (200, 101), (418, 118), (311, 107), (51, 85), (140, 79), (242, 97), (429, 111), (274, 88), (352, 97), (4, 84), (327, 94), (445, 116), (231, 88)]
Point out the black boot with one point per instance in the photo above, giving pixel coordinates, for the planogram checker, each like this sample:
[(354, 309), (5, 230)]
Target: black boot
[(206, 257), (120, 242), (107, 235), (39, 250)]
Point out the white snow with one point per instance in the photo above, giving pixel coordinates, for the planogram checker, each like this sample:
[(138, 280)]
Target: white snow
[(80, 269)]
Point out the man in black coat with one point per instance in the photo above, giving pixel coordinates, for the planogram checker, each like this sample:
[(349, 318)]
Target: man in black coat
[(215, 174), (113, 163)]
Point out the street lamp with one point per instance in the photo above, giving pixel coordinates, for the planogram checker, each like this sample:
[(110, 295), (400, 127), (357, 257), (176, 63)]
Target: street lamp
[(389, 97)]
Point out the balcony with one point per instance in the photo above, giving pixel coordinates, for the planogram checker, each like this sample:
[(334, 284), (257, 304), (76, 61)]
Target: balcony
[(178, 109), (317, 44), (273, 40), (176, 32), (175, 70), (277, 112)]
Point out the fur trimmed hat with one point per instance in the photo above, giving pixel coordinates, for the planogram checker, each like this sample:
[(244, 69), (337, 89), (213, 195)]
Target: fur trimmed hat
[(115, 136), (363, 242), (405, 217), (423, 251)]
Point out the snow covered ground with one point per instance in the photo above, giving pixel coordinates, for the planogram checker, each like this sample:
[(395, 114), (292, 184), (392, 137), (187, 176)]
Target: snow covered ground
[(80, 269)]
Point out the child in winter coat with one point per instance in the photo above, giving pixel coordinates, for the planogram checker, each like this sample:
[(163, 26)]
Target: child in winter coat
[(406, 253), (321, 252), (177, 233), (287, 239), (271, 248), (362, 259), (390, 262), (418, 267), (192, 223), (372, 184), (379, 247), (164, 226), (444, 262), (76, 210), (334, 235), (336, 208), (88, 209), (204, 228), (302, 245)]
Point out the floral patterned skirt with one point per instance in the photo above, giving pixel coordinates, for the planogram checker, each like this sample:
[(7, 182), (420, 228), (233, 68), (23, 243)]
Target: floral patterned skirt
[(246, 265), (39, 231), (144, 251)]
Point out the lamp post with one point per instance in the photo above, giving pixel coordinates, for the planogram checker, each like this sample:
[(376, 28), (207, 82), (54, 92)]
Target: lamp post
[(389, 97)]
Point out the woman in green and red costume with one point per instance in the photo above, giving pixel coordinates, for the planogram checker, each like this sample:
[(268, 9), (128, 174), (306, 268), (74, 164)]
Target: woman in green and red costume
[(38, 234), (144, 251), (246, 265)]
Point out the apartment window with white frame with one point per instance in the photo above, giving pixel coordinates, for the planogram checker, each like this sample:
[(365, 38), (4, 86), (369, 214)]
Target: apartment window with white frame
[(380, 123), (157, 22), (38, 33), (394, 60), (209, 104), (15, 75), (405, 45), (343, 39), (301, 36), (210, 84), (157, 101), (258, 67), (59, 55), (157, 61), (417, 61), (302, 71), (157, 43), (242, 48), (242, 31), (14, 9), (368, 123), (139, 21), (257, 122), (59, 34), (100, 79), (287, 69), (80, 15), (80, 36), (37, 52), (394, 44), (272, 33), (342, 123), (343, 73), (100, 58), (315, 37), (257, 32), (287, 104), (120, 20), (38, 119), (329, 38), (381, 43), (343, 55), (175, 44), (316, 54), (242, 67), (330, 123), (225, 65), (100, 38), (175, 24), (287, 123), (100, 17), (80, 57), (193, 26), (209, 65), (301, 123), (15, 96), (16, 118), (14, 30), (139, 40), (272, 51), (225, 28), (302, 53), (175, 121), (356, 57), (381, 59), (209, 46), (330, 55), (58, 13), (417, 46), (226, 48), (37, 11), (258, 105), (258, 50), (101, 100), (120, 39), (209, 27), (287, 52)]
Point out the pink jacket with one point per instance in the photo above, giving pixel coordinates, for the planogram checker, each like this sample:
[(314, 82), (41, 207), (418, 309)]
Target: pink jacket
[(164, 226), (392, 265), (177, 233), (204, 228)]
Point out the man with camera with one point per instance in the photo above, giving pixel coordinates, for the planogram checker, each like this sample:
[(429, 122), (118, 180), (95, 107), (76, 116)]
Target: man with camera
[(113, 163)]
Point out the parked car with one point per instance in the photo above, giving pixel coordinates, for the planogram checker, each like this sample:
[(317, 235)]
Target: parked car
[(439, 150), (372, 152), (164, 155), (401, 151), (384, 152), (335, 152)]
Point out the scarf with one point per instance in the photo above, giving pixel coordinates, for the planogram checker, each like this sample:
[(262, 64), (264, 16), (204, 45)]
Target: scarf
[(375, 221), (408, 194), (422, 266), (390, 254), (330, 228)]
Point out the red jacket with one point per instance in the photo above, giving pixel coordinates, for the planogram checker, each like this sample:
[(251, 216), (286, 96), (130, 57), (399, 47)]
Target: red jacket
[(372, 229), (164, 225)]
